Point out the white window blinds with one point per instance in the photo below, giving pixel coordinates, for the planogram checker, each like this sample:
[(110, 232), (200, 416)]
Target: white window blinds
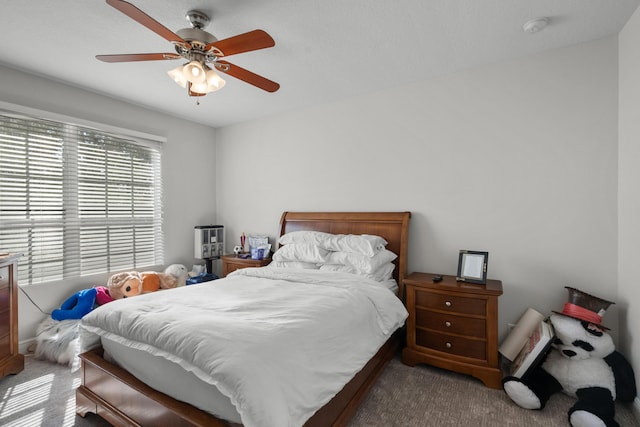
[(77, 201)]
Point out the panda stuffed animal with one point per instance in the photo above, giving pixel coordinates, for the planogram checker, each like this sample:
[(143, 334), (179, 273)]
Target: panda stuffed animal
[(582, 363)]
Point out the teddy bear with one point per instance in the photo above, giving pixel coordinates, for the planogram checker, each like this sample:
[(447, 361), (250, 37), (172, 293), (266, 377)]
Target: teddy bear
[(582, 363), (178, 271)]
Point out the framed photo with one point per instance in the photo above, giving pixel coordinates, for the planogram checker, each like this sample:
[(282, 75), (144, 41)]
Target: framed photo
[(472, 267)]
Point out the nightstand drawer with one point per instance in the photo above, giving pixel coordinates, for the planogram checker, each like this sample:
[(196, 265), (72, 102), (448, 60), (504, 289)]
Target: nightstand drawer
[(5, 295), (451, 323), (5, 324), (451, 303), (230, 268), (5, 347), (4, 277), (451, 344)]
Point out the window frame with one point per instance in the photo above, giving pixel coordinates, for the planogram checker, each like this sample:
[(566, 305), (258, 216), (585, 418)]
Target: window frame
[(129, 142)]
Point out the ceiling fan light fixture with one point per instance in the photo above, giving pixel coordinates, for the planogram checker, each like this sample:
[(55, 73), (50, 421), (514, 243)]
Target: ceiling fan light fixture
[(201, 87), (191, 92), (194, 72), (201, 49), (214, 81), (177, 74)]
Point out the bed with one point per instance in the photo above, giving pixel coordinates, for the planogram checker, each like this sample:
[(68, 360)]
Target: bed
[(115, 394)]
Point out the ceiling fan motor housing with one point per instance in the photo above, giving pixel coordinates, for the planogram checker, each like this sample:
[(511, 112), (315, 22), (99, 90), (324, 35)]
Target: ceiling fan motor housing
[(196, 36)]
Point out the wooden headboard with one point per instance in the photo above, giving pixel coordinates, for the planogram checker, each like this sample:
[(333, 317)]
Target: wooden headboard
[(392, 226)]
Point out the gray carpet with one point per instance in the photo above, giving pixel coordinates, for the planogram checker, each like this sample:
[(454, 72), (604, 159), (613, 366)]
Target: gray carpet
[(43, 395)]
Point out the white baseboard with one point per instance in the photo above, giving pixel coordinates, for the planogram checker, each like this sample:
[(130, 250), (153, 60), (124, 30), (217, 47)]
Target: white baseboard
[(23, 346)]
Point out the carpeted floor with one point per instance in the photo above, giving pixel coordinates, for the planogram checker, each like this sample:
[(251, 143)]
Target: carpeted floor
[(43, 395)]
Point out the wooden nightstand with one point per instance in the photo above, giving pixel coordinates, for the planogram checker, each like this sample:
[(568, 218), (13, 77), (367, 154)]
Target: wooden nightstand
[(232, 263), (11, 362), (453, 325)]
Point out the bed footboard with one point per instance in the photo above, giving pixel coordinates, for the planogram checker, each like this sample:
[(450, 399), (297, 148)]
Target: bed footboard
[(120, 398)]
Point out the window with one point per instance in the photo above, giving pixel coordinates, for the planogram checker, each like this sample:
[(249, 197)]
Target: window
[(77, 201)]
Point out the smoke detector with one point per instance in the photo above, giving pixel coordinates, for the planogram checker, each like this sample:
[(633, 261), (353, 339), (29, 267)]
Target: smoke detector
[(535, 25)]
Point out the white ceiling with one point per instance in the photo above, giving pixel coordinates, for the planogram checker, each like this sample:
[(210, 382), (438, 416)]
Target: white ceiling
[(325, 50)]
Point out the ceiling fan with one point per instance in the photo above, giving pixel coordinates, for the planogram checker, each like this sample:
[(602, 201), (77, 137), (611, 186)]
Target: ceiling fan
[(202, 50)]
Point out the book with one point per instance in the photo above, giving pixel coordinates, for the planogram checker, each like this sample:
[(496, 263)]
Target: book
[(534, 349), (520, 333)]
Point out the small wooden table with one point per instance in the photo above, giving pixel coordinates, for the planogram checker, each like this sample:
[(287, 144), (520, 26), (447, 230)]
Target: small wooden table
[(453, 325), (232, 263)]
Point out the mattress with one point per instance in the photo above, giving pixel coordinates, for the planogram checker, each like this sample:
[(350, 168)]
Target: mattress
[(258, 347), (171, 379)]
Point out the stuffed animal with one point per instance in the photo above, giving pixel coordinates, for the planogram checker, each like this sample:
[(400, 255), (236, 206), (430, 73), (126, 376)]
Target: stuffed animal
[(57, 341), (81, 303), (125, 285), (120, 285), (132, 283), (178, 271), (582, 363)]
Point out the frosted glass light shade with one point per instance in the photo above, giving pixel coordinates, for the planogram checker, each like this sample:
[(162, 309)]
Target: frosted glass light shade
[(194, 72), (199, 87), (214, 81), (178, 76)]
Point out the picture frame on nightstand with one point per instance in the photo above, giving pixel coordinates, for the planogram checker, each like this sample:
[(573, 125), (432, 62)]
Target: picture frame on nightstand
[(472, 267)]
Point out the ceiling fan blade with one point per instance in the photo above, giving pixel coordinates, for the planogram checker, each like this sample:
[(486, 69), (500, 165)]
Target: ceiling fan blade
[(137, 15), (128, 57), (247, 76), (253, 40)]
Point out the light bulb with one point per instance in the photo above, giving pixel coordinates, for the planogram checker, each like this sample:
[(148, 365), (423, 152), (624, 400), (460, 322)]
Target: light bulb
[(194, 72)]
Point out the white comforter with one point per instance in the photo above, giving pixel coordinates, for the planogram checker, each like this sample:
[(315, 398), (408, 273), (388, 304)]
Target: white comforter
[(280, 343)]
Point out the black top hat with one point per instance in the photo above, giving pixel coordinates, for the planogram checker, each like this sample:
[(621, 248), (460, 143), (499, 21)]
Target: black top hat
[(585, 307)]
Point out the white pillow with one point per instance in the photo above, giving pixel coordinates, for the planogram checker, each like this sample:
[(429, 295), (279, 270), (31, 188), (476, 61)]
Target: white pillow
[(364, 244), (362, 263), (294, 264), (301, 253), (384, 273)]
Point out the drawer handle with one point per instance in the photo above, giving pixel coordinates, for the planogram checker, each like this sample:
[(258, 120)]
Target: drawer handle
[(447, 303), (448, 345), (447, 324)]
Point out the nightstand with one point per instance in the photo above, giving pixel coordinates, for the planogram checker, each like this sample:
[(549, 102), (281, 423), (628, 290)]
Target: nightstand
[(11, 361), (453, 325), (232, 263)]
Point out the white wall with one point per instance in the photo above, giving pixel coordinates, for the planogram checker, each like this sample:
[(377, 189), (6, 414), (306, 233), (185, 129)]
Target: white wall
[(187, 172), (629, 193), (517, 158)]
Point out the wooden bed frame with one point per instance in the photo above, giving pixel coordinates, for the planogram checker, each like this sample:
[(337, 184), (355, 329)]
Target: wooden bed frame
[(117, 396)]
